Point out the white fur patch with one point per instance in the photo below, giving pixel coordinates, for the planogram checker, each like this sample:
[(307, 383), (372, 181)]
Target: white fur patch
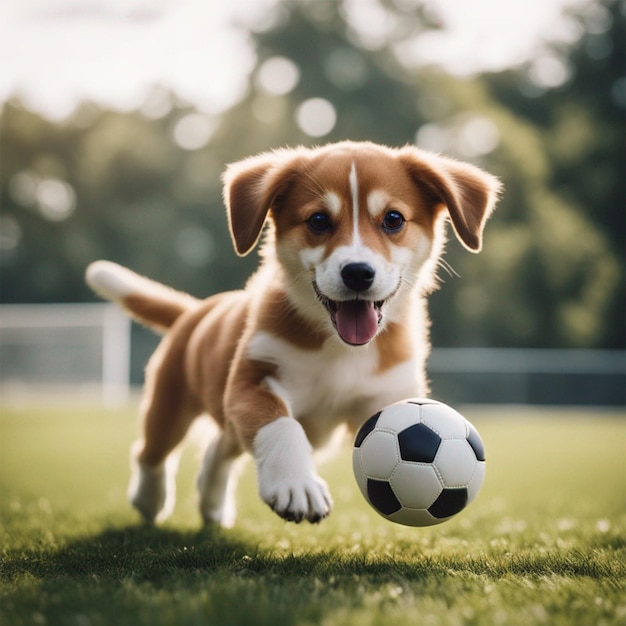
[(112, 281), (354, 190), (329, 386), (333, 203), (279, 391), (152, 490), (217, 482), (377, 200), (311, 257), (402, 256)]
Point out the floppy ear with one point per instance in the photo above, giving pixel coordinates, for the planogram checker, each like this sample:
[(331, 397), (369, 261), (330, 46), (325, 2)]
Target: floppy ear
[(251, 187), (468, 192)]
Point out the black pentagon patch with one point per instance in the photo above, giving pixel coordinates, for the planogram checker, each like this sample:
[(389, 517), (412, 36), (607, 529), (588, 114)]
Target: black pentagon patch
[(382, 497), (449, 502), (476, 443), (418, 443), (366, 429)]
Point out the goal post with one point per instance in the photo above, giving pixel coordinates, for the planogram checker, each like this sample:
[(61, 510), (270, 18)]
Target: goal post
[(71, 349)]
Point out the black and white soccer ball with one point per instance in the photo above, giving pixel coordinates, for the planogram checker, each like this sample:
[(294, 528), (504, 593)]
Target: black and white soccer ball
[(418, 462)]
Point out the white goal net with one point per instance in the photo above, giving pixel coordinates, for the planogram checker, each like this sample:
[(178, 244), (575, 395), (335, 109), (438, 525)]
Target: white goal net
[(74, 350)]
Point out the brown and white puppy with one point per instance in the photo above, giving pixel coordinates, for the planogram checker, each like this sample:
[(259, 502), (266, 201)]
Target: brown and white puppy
[(331, 328)]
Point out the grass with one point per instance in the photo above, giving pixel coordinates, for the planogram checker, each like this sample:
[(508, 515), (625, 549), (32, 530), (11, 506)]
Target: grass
[(544, 543)]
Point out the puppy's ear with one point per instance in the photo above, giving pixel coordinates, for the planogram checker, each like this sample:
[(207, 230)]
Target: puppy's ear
[(469, 193), (251, 187)]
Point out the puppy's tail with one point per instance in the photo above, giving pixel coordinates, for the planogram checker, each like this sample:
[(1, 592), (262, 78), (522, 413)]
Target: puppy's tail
[(146, 301)]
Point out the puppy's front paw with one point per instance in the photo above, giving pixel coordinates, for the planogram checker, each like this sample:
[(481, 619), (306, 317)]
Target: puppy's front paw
[(296, 498), (288, 482)]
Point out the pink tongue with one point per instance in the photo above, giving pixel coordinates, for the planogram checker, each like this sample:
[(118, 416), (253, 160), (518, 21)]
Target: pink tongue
[(357, 321)]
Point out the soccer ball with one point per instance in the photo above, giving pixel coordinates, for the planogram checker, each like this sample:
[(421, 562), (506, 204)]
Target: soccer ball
[(418, 462)]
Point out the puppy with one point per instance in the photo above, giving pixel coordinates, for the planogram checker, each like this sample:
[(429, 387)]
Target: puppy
[(331, 328)]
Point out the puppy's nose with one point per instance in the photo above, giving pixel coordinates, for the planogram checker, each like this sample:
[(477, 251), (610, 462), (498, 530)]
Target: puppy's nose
[(358, 276)]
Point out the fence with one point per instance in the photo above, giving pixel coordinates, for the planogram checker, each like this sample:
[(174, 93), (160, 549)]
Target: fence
[(519, 376), (79, 349)]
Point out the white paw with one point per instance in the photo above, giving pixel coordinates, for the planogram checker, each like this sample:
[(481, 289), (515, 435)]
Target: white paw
[(223, 515), (288, 482), (217, 494), (217, 481), (152, 491), (298, 498)]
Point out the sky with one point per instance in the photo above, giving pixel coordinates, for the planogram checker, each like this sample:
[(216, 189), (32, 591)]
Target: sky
[(53, 53)]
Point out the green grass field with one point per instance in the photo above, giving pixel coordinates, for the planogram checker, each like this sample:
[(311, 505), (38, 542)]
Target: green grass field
[(544, 543)]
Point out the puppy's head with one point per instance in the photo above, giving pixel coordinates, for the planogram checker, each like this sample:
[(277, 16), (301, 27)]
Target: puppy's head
[(357, 225)]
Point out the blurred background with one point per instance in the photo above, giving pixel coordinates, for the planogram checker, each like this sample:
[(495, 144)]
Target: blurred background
[(118, 117)]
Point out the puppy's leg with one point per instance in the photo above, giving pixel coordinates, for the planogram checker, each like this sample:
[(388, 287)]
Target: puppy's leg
[(288, 481), (152, 488), (218, 479), (167, 415), (259, 411)]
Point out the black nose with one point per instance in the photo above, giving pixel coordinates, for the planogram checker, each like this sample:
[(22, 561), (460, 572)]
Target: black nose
[(358, 276)]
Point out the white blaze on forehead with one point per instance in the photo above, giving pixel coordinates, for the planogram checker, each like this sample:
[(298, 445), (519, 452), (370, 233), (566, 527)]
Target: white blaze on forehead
[(377, 201), (354, 190), (333, 203)]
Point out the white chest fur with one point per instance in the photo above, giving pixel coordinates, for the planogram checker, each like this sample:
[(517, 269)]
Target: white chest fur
[(326, 387)]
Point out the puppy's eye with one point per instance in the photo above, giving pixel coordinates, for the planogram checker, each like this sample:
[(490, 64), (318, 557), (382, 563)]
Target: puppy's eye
[(319, 222), (393, 221)]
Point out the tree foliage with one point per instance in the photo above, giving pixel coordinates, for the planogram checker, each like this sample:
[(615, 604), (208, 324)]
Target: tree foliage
[(143, 188)]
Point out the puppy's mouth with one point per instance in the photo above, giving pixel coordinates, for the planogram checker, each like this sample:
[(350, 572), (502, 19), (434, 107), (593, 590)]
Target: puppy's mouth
[(356, 321)]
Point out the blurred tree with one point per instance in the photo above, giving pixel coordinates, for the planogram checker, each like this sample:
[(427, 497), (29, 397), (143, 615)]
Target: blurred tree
[(144, 189), (136, 197), (579, 209)]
